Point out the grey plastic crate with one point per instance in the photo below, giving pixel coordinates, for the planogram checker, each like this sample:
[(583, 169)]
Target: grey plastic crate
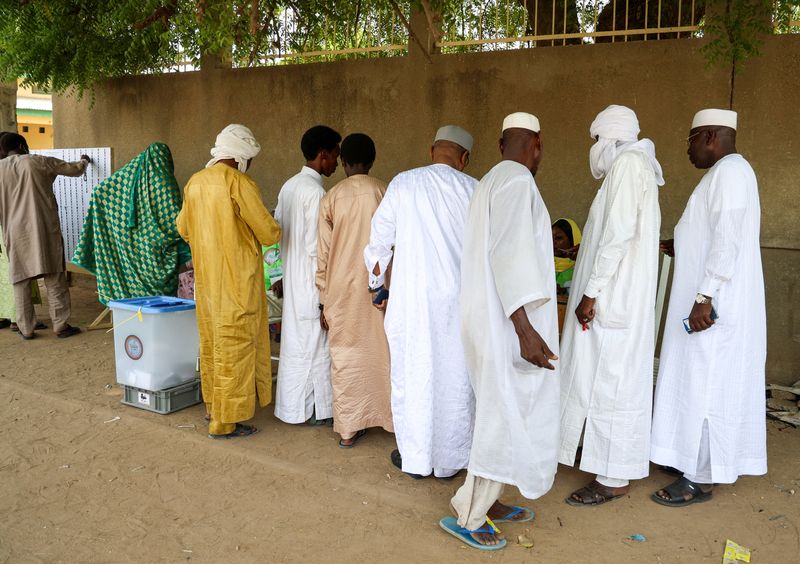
[(163, 401)]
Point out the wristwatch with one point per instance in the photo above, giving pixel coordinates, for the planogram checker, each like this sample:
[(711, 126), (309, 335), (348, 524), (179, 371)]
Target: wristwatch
[(702, 299)]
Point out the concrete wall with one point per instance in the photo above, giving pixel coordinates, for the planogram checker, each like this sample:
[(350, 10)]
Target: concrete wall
[(401, 101)]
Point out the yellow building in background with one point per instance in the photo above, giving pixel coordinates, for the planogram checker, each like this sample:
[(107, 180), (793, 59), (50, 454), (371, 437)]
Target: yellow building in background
[(35, 117)]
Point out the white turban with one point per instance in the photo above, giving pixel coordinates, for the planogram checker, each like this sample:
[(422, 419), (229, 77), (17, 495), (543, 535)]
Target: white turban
[(617, 130), (235, 142)]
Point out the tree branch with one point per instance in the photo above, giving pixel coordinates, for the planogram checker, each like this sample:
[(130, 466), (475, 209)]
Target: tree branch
[(163, 13), (431, 17), (411, 33)]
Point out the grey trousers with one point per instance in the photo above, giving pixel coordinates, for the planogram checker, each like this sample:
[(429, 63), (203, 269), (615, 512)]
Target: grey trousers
[(57, 299)]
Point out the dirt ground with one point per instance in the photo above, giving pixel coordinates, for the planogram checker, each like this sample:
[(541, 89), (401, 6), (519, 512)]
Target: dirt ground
[(86, 479)]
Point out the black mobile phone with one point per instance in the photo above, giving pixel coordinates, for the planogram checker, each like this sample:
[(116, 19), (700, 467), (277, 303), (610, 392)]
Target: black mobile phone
[(686, 321), (380, 295)]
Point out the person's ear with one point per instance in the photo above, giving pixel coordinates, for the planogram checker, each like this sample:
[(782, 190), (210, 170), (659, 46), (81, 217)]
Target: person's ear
[(501, 145), (464, 159)]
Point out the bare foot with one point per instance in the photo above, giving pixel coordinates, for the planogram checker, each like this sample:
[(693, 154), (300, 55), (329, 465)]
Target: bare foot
[(488, 539)]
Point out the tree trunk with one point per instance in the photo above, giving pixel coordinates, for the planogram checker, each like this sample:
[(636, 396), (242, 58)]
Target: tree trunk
[(644, 14), (8, 107), (546, 17)]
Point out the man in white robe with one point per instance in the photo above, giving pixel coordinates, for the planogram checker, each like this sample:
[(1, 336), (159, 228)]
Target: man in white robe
[(419, 225), (607, 347), (304, 390), (709, 417), (509, 326)]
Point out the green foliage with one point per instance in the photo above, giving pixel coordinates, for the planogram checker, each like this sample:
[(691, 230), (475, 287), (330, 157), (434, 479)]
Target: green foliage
[(73, 44), (787, 12), (735, 30), (70, 45)]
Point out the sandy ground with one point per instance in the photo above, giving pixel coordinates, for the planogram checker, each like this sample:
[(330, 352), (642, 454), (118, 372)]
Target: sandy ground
[(78, 486)]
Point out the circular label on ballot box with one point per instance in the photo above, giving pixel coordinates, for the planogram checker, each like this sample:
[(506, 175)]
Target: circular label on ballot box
[(133, 347)]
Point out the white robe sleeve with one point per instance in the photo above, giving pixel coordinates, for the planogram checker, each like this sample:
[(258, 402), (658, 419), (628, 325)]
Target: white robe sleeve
[(520, 274), (380, 248), (311, 202), (279, 210), (620, 219), (727, 203)]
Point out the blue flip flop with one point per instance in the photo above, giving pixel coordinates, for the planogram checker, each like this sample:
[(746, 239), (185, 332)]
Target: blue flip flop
[(450, 524), (516, 510)]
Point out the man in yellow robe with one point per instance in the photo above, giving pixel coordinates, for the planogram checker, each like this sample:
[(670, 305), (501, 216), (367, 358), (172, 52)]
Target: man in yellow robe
[(225, 223), (359, 351)]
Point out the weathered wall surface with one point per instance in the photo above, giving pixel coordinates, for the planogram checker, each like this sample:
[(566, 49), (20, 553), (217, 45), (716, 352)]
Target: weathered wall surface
[(401, 101)]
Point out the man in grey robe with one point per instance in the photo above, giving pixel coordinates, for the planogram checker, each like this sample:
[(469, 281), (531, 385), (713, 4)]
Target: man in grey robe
[(32, 231)]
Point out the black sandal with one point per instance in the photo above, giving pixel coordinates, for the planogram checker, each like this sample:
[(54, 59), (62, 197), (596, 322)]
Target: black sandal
[(68, 331), (397, 460), (594, 494), (239, 431), (682, 492), (354, 439)]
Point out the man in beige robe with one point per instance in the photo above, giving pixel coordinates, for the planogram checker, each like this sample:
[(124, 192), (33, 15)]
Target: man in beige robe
[(359, 351), (32, 231)]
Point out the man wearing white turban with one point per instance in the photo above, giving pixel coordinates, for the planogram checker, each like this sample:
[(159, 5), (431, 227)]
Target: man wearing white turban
[(607, 348), (709, 421), (225, 223), (508, 326), (235, 142)]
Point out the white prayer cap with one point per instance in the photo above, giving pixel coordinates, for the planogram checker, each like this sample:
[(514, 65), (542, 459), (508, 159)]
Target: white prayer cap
[(456, 135), (615, 122), (235, 142), (725, 118), (522, 120)]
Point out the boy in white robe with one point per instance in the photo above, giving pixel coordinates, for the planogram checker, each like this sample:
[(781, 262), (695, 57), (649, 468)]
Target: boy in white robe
[(419, 226), (607, 346), (709, 417), (304, 390), (509, 326)]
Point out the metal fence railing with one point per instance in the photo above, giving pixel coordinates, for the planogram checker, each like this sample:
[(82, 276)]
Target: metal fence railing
[(342, 29), (513, 24)]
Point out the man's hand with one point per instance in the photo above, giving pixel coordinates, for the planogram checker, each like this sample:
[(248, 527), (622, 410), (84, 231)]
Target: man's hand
[(531, 345), (667, 246), (381, 306), (585, 310), (277, 287), (322, 321), (383, 295), (700, 318), (86, 158)]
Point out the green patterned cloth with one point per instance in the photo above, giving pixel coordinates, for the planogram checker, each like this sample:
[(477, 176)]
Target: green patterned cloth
[(129, 239)]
